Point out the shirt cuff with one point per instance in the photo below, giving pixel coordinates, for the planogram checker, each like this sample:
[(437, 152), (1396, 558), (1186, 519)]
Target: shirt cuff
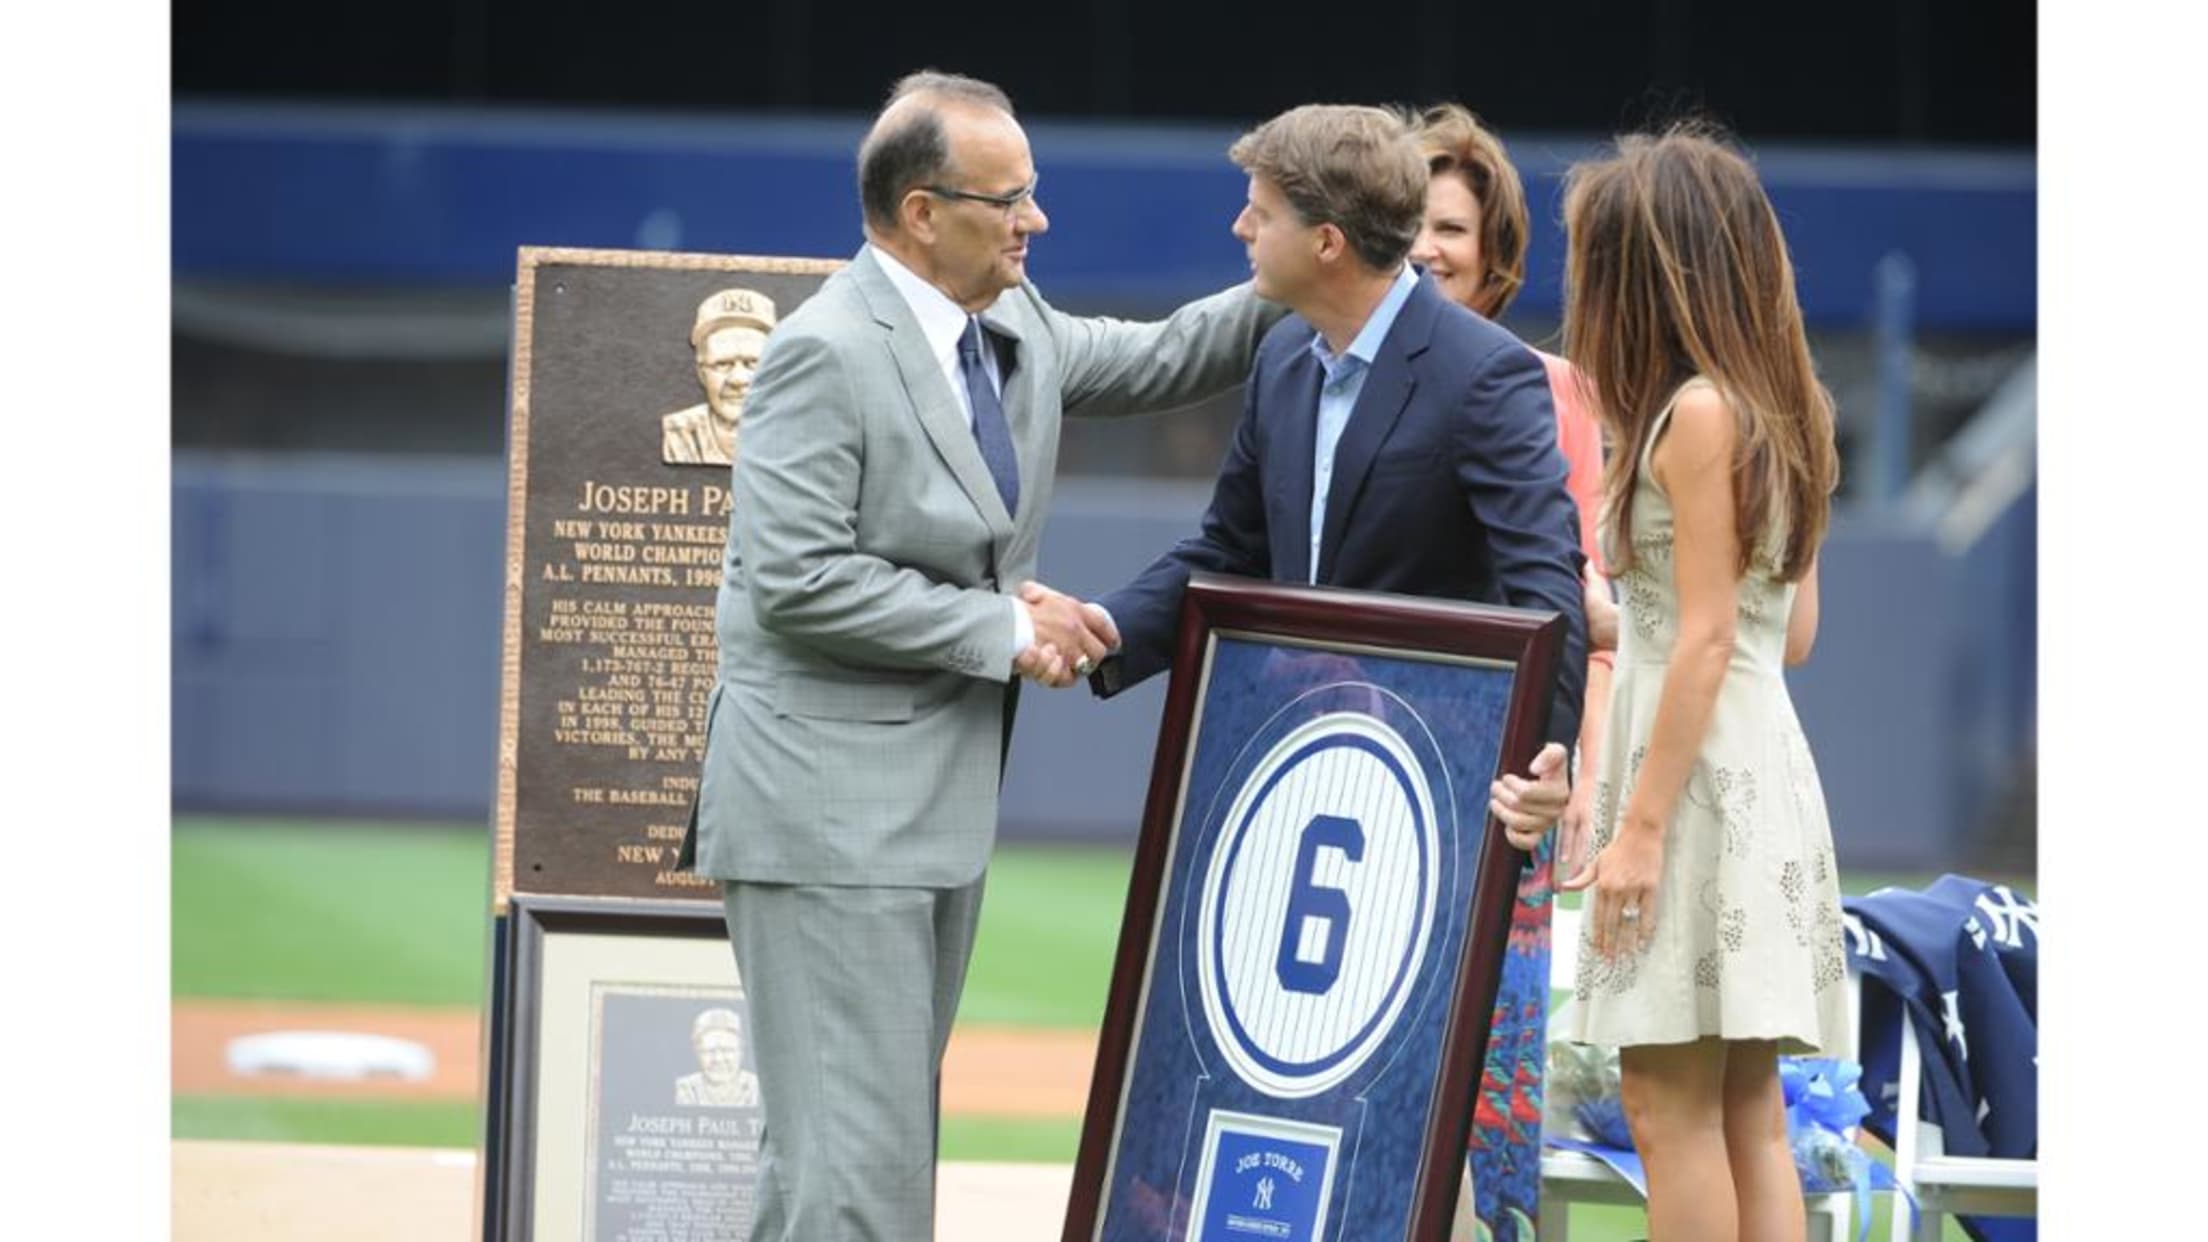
[(1115, 626), (1023, 634)]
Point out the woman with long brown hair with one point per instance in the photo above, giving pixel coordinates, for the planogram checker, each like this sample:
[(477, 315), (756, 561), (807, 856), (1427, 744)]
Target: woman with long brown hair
[(1711, 943)]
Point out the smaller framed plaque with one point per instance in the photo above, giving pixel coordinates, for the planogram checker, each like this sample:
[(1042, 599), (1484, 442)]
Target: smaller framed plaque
[(1316, 920), (632, 1107)]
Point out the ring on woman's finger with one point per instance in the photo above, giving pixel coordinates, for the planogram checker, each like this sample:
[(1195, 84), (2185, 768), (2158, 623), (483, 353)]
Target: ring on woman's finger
[(1631, 914)]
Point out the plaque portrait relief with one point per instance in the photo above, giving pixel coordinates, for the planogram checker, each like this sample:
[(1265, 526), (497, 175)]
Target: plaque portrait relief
[(721, 1081), (727, 337)]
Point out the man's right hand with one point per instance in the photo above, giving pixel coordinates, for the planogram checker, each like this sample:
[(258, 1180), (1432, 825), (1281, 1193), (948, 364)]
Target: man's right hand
[(1071, 638)]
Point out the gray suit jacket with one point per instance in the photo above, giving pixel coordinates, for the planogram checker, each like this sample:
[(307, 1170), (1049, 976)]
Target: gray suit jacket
[(855, 734)]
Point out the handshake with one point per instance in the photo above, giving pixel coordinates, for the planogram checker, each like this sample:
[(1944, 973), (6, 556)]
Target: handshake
[(1071, 637)]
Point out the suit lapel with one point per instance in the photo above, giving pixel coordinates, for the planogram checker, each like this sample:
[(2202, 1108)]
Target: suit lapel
[(1296, 384), (1380, 404), (942, 416)]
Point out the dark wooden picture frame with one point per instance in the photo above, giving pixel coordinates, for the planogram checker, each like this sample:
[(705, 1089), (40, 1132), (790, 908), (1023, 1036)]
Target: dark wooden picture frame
[(1401, 627), (514, 1111)]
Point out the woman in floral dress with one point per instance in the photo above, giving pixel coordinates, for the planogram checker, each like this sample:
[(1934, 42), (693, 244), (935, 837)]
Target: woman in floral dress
[(1711, 939)]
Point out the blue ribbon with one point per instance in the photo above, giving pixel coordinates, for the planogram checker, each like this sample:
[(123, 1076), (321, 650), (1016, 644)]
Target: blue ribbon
[(1623, 1161)]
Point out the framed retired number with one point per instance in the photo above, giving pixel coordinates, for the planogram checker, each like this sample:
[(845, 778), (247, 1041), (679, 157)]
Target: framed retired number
[(1316, 920)]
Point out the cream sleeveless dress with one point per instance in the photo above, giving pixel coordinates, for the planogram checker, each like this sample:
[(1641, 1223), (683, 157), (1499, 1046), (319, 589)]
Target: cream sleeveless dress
[(1747, 941)]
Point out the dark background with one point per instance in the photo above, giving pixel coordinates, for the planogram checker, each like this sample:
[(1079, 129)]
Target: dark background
[(1897, 71)]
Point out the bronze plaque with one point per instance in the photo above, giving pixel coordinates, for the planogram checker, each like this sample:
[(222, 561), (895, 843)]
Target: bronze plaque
[(629, 374)]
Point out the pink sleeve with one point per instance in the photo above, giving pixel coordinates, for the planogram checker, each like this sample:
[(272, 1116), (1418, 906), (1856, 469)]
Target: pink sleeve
[(1581, 443)]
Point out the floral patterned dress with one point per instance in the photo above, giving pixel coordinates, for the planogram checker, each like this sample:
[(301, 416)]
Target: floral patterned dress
[(1747, 941)]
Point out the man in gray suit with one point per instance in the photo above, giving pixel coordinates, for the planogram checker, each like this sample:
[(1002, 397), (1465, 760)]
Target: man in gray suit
[(899, 444)]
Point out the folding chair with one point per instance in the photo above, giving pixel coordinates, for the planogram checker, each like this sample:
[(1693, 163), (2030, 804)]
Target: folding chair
[(1945, 1185)]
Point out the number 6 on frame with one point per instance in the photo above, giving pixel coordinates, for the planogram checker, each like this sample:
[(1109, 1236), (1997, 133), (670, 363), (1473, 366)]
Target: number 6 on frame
[(1316, 918), (1311, 905)]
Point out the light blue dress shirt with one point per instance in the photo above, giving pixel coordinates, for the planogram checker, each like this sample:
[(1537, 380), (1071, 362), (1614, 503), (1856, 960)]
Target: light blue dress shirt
[(1345, 378)]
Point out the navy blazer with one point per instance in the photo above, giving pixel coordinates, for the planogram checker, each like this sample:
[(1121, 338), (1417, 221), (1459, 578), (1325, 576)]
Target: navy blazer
[(1447, 482)]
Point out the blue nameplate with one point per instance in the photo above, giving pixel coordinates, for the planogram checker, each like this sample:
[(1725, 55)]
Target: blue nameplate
[(1263, 1178)]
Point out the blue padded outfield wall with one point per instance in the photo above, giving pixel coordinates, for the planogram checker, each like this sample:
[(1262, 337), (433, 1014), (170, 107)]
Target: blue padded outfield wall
[(336, 624), (335, 634)]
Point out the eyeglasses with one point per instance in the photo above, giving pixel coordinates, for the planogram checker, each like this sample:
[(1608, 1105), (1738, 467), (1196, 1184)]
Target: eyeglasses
[(1009, 204)]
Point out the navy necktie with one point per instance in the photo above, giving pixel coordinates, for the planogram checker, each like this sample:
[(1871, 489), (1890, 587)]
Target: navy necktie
[(991, 432)]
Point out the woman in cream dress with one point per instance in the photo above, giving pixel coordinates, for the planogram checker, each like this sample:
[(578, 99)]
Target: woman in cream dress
[(1711, 932)]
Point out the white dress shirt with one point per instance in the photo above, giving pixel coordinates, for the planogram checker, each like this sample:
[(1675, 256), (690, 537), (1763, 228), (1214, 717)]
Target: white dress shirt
[(1344, 380), (942, 322)]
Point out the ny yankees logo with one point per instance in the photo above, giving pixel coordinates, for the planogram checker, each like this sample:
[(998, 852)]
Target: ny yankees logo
[(1264, 1201), (1862, 941), (2008, 916), (1952, 1017)]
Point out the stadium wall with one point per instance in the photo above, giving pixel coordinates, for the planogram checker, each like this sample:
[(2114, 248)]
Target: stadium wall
[(335, 633)]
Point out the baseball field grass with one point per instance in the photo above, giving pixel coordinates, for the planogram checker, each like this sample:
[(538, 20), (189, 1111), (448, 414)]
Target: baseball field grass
[(364, 913)]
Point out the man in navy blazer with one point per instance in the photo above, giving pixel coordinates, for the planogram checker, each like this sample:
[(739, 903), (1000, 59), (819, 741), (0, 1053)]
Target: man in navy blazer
[(1390, 440)]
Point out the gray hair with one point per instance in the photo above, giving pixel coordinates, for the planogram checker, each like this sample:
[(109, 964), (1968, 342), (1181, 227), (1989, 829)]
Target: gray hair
[(912, 150)]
